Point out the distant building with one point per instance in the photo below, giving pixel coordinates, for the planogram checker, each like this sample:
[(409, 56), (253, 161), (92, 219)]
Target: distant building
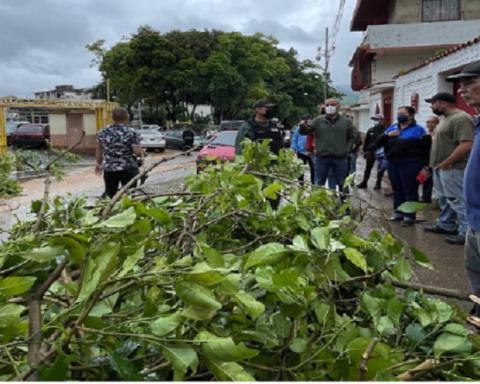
[(428, 78), (65, 92), (400, 34)]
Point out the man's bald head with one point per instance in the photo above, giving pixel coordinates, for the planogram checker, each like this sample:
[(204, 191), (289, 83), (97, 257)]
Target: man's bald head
[(120, 115), (432, 123), (332, 102)]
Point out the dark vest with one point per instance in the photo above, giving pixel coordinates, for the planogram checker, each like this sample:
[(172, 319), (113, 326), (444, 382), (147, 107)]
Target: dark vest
[(271, 132)]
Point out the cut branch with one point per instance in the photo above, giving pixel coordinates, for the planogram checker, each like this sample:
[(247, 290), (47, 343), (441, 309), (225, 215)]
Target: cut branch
[(365, 357), (451, 293), (415, 373)]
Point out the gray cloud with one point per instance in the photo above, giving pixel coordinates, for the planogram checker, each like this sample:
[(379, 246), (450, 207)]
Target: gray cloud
[(43, 42)]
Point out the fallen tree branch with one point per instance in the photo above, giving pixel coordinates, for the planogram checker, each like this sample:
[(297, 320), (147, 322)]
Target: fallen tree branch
[(415, 373), (445, 292)]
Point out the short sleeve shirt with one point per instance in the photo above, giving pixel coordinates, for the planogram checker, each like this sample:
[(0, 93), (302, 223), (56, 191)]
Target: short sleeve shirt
[(454, 128), (117, 141)]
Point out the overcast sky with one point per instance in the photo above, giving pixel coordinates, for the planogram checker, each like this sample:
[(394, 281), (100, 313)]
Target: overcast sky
[(42, 42)]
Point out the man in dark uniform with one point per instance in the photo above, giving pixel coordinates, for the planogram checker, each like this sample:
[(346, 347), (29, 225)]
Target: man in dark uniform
[(188, 139), (260, 128)]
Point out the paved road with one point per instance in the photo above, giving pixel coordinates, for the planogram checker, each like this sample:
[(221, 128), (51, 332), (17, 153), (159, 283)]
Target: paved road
[(448, 259)]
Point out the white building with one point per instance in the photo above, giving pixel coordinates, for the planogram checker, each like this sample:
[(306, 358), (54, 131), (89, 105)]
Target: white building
[(65, 92), (400, 34), (428, 78)]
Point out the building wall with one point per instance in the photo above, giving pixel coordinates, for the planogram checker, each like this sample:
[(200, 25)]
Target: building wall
[(390, 64), (59, 131), (430, 79), (410, 11)]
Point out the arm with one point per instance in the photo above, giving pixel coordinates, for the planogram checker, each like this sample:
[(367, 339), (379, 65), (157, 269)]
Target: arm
[(244, 132), (366, 142), (350, 138), (99, 159), (381, 141), (305, 129), (311, 143), (137, 150), (460, 153), (426, 148)]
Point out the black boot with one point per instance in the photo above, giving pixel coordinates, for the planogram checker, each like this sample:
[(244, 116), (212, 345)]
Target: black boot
[(378, 185), (362, 185)]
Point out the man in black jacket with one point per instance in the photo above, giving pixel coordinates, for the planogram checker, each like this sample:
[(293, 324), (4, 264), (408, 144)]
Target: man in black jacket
[(369, 150), (188, 139)]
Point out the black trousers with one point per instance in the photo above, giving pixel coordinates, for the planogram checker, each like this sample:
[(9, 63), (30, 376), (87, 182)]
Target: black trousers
[(187, 144), (369, 166), (113, 179), (307, 160), (427, 190)]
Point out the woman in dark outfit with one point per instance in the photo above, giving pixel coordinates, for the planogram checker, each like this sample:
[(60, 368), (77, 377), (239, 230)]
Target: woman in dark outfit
[(407, 148)]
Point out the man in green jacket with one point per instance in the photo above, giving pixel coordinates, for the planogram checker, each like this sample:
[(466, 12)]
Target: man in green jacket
[(334, 140)]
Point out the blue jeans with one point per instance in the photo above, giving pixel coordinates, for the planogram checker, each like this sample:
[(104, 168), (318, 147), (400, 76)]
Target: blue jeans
[(352, 163), (449, 187), (403, 176), (337, 167), (472, 263)]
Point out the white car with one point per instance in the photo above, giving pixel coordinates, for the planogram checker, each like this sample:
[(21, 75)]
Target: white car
[(151, 126), (151, 139)]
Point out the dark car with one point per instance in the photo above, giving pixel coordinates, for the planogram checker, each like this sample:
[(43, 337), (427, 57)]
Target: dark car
[(12, 127), (230, 125), (175, 139), (31, 135)]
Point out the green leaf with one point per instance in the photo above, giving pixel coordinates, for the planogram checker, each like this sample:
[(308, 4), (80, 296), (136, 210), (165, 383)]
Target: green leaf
[(203, 274), (355, 241), (165, 325), (370, 305), (132, 261), (282, 325), (57, 371), (125, 368), (299, 345), (357, 348), (223, 349), (453, 344), (384, 326), (196, 295), (75, 250), (227, 371), (160, 215), (395, 310), (356, 258), (200, 314), (98, 269), (214, 258), (122, 220), (415, 333), (402, 270), (271, 191), (456, 329), (42, 255), (349, 180), (12, 286), (143, 227), (300, 244), (421, 258), (411, 207), (321, 237), (10, 314), (323, 311), (334, 269), (181, 358), (253, 307), (268, 254)]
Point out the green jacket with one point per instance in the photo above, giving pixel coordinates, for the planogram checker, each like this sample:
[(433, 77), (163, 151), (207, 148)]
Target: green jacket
[(332, 138)]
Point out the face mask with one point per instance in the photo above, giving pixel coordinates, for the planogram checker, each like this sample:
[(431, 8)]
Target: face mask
[(402, 119), (376, 123), (331, 110), (269, 114)]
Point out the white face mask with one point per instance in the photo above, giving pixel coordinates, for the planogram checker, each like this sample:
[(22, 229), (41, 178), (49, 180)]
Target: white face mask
[(331, 110)]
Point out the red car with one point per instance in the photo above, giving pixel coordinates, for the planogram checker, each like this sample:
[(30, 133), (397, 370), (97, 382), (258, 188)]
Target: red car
[(221, 147), (31, 135)]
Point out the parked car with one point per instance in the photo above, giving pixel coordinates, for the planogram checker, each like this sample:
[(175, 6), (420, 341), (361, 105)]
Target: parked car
[(222, 147), (152, 139), (175, 139), (31, 135), (151, 126), (230, 125), (11, 127)]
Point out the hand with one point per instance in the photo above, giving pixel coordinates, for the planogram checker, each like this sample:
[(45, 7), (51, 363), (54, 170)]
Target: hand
[(99, 170), (444, 166), (426, 173), (394, 133), (303, 123)]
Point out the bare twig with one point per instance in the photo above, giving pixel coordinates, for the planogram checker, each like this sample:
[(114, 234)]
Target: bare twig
[(451, 293), (157, 368), (365, 357), (415, 373), (14, 268)]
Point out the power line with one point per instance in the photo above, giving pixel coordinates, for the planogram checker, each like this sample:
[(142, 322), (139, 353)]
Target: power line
[(336, 28)]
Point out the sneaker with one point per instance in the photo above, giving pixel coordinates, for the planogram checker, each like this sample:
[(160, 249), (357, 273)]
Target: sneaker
[(362, 185), (388, 194), (456, 240), (439, 231), (408, 223)]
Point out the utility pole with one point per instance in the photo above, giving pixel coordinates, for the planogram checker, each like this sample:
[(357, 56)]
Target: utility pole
[(326, 77)]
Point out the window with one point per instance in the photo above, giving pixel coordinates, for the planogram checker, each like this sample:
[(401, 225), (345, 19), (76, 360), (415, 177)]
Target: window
[(441, 10)]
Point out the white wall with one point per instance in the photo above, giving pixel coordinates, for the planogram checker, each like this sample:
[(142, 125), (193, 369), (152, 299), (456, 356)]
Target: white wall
[(430, 79), (58, 124), (418, 34), (89, 124)]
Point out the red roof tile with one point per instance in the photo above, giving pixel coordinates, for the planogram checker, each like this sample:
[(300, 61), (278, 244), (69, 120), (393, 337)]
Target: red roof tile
[(439, 57)]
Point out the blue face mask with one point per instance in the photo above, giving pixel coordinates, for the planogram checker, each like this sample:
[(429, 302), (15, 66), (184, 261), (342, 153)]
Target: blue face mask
[(402, 119), (376, 123)]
